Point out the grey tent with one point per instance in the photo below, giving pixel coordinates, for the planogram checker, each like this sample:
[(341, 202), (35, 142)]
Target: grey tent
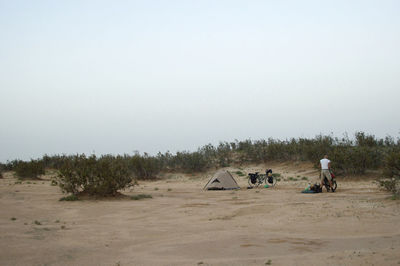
[(222, 180)]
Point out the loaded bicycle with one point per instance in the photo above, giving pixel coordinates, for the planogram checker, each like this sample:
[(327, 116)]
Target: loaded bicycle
[(256, 179)]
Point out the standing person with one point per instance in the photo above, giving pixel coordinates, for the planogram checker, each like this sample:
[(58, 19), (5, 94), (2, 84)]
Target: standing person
[(325, 164)]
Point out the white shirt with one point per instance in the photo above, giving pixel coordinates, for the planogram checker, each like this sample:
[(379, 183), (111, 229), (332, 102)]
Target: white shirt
[(324, 164)]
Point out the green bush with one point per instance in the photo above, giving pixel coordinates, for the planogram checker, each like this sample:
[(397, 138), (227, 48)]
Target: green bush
[(55, 161), (391, 180), (2, 168), (239, 173), (101, 177), (69, 198), (223, 154), (144, 167), (191, 161), (31, 169), (356, 159), (392, 164), (141, 196), (10, 165)]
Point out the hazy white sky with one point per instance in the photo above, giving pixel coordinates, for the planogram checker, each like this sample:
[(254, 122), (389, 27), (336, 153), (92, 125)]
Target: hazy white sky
[(119, 76)]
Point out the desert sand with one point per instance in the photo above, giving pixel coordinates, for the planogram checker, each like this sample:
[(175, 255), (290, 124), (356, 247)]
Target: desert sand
[(184, 225)]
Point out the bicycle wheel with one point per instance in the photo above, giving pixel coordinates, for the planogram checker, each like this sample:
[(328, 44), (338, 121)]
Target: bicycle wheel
[(267, 181), (250, 183), (334, 185)]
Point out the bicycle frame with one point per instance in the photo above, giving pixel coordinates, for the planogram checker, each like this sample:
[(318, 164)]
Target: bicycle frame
[(256, 179)]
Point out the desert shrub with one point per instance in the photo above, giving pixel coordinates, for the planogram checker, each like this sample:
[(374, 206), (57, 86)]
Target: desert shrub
[(69, 198), (102, 177), (260, 151), (31, 169), (391, 185), (363, 158), (391, 180), (141, 196), (356, 159), (223, 154), (54, 161), (247, 151), (144, 167), (211, 154), (165, 160), (364, 140), (313, 149), (2, 166), (392, 163), (239, 173), (191, 161), (241, 150), (10, 165)]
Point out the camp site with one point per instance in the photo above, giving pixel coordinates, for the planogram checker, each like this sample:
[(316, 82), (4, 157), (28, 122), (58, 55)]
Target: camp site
[(199, 133), (214, 215)]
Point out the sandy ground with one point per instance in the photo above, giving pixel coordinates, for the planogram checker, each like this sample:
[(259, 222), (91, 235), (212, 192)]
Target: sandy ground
[(183, 225)]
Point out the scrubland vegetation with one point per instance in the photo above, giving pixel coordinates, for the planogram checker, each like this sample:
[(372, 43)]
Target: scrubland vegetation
[(107, 174), (392, 173), (95, 176), (28, 170)]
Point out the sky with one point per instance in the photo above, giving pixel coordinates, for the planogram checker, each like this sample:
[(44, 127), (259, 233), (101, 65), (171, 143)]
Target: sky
[(114, 77)]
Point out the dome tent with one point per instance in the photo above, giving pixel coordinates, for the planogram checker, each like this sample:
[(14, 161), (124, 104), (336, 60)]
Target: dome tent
[(222, 180)]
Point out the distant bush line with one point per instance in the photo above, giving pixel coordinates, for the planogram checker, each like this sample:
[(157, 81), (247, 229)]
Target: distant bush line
[(26, 170), (348, 156)]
